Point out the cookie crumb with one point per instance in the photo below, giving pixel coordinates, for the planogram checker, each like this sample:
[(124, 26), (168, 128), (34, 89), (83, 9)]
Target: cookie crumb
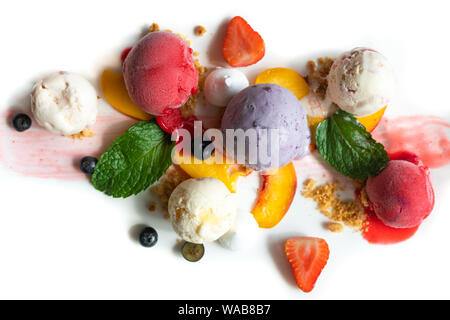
[(168, 182), (199, 31), (152, 206), (182, 36), (86, 133), (154, 27), (349, 212), (335, 227), (317, 75), (363, 197), (201, 69)]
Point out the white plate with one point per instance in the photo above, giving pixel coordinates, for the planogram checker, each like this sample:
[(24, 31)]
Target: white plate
[(62, 239)]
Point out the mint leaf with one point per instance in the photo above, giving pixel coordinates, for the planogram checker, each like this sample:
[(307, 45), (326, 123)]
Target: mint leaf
[(134, 161), (346, 145)]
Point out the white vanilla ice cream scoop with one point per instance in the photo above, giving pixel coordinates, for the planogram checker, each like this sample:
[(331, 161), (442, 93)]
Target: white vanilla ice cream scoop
[(361, 81), (243, 234), (201, 210), (64, 103), (223, 84)]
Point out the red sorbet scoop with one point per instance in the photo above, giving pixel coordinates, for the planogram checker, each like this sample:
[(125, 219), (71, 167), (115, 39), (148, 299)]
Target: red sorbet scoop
[(402, 195), (159, 72)]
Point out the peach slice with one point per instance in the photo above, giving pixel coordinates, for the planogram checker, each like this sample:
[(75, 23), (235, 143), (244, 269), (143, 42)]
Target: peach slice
[(275, 196), (313, 122), (228, 173), (116, 94), (287, 78), (371, 121)]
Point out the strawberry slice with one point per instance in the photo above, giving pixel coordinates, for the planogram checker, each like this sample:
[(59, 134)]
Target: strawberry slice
[(307, 256), (243, 46)]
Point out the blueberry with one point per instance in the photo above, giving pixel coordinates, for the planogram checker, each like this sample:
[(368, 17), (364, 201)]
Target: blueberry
[(201, 149), (87, 164), (22, 122), (148, 237)]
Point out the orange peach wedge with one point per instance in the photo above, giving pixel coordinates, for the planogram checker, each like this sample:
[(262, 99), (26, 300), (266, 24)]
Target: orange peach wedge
[(275, 196), (228, 173), (371, 121), (288, 78), (116, 94)]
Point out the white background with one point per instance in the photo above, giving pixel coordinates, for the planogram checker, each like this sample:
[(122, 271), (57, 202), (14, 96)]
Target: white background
[(66, 240)]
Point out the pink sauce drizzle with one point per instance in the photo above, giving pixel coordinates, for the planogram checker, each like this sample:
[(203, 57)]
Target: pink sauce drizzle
[(39, 153), (42, 154), (426, 136)]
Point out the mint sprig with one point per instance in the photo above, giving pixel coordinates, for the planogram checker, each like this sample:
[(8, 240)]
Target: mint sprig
[(346, 145), (134, 161)]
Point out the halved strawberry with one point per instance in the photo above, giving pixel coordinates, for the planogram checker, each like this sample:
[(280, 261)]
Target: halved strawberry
[(243, 46), (307, 256)]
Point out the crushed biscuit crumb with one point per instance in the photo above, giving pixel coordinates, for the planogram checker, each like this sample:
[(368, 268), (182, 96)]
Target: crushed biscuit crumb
[(188, 109), (168, 182), (335, 227), (349, 212), (86, 133), (182, 36), (154, 27), (152, 206), (199, 31), (201, 69), (363, 197), (317, 75)]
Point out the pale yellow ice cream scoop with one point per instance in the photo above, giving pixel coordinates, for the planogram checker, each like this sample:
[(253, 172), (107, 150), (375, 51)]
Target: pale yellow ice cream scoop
[(201, 210)]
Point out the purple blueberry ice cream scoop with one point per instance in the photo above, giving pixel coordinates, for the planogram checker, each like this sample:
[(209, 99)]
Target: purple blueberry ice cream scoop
[(264, 107)]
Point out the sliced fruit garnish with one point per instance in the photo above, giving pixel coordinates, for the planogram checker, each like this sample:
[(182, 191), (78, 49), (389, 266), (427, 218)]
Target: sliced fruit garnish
[(225, 172), (313, 122), (286, 78), (275, 196), (193, 252), (308, 257), (371, 121), (243, 46), (116, 94)]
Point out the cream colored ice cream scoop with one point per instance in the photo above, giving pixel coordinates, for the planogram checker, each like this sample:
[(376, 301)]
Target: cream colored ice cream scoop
[(201, 210), (64, 103), (361, 81)]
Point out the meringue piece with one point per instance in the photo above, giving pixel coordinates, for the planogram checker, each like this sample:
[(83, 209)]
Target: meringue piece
[(223, 84)]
